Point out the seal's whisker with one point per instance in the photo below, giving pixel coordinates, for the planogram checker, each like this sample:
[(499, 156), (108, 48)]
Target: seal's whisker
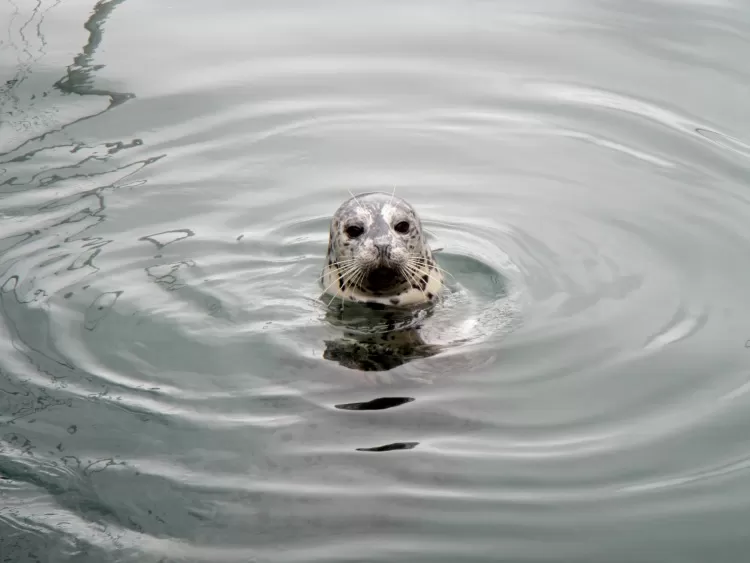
[(393, 194), (344, 273), (441, 270), (339, 265), (330, 286), (362, 275), (349, 277), (341, 273), (416, 277), (359, 279), (353, 276), (407, 273), (423, 261), (358, 203), (415, 271), (422, 272), (417, 268), (331, 301)]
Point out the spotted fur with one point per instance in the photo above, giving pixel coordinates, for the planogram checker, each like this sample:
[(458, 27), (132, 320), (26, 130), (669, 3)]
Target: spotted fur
[(353, 261)]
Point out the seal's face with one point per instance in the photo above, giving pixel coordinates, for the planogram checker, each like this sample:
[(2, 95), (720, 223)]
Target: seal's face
[(377, 244)]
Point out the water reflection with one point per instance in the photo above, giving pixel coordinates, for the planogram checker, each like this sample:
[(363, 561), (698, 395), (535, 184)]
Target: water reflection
[(46, 247), (27, 55), (216, 395), (78, 78), (377, 339), (391, 447), (380, 403)]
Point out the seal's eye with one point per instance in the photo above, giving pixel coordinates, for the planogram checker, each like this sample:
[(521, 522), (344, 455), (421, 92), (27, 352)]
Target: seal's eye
[(402, 227), (353, 231)]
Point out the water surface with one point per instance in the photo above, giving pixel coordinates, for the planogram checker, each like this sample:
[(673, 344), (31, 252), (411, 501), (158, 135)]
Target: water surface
[(170, 388)]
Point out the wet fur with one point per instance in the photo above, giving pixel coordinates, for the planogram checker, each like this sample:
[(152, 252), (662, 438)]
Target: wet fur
[(349, 260)]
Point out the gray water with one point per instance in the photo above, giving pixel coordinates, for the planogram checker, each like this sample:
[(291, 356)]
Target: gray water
[(168, 391)]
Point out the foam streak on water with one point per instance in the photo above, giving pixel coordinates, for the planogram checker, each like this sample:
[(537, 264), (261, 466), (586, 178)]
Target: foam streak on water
[(173, 389)]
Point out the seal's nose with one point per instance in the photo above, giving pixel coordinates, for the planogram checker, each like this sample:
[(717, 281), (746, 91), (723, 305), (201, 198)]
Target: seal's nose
[(383, 248)]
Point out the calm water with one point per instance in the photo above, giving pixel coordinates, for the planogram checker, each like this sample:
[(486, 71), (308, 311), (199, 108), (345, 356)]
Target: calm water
[(173, 390)]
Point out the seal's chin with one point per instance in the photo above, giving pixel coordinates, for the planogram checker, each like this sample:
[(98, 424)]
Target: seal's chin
[(383, 278)]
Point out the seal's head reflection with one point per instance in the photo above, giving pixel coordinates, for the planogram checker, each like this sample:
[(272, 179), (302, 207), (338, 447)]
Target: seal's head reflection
[(376, 338)]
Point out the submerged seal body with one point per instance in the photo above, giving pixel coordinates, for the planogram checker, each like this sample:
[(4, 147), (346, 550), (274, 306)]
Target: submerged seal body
[(378, 254)]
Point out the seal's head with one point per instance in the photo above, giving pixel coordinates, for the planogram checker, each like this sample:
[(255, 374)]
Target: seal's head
[(377, 252)]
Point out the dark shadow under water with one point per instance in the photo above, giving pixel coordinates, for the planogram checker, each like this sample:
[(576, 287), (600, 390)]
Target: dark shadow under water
[(377, 338)]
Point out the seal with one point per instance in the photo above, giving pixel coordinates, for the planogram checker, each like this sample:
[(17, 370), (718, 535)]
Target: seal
[(378, 254)]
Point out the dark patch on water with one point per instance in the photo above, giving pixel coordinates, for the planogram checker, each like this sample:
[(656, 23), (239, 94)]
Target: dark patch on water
[(391, 447), (380, 403)]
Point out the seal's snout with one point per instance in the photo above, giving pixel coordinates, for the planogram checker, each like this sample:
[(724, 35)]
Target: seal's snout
[(384, 250)]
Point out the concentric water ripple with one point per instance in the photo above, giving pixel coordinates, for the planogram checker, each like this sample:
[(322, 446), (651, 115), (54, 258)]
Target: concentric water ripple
[(169, 384)]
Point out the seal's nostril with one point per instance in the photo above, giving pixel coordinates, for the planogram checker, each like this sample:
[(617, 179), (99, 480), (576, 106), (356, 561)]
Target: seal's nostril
[(383, 249)]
